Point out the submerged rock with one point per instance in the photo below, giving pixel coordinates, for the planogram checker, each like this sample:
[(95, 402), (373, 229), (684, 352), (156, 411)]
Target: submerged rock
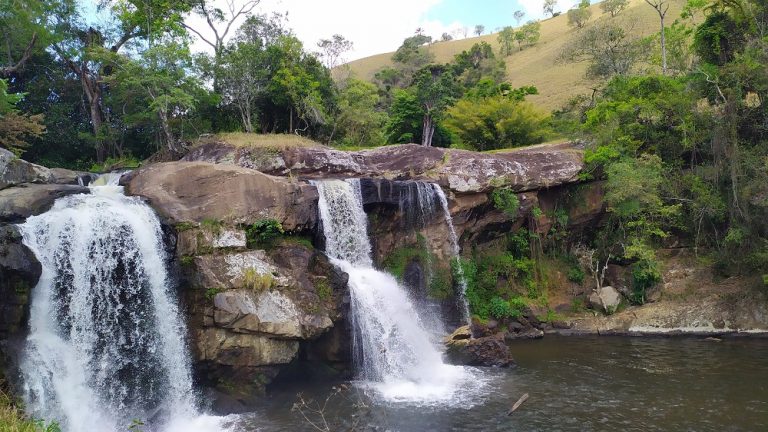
[(19, 273)]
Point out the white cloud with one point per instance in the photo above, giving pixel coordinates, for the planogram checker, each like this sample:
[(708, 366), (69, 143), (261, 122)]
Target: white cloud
[(373, 26)]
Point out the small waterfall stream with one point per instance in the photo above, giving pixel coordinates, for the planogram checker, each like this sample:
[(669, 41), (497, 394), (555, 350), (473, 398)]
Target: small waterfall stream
[(107, 340), (393, 351), (456, 252)]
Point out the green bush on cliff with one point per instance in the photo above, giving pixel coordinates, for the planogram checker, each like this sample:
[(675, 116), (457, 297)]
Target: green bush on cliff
[(263, 233), (12, 418), (506, 200)]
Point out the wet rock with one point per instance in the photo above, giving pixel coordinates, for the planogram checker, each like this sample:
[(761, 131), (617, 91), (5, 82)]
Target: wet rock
[(196, 191), (253, 270), (526, 333), (245, 350), (484, 351), (20, 202), (19, 273), (606, 299)]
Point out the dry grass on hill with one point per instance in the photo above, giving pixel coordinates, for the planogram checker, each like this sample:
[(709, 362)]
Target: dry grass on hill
[(538, 65)]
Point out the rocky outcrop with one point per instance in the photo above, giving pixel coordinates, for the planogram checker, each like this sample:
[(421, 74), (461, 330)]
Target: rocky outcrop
[(462, 348), (19, 272), (15, 171), (460, 171), (20, 202), (198, 191), (605, 299)]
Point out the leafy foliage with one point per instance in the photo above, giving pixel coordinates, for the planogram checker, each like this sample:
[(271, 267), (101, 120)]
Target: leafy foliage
[(263, 233)]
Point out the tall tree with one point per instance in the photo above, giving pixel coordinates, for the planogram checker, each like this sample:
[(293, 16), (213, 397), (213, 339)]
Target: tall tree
[(661, 7), (435, 89), (479, 29), (332, 50), (506, 40), (607, 48)]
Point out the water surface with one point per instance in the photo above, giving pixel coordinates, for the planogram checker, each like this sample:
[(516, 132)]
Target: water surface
[(575, 384)]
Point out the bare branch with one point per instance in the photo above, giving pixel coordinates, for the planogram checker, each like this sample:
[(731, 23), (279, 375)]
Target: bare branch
[(24, 58)]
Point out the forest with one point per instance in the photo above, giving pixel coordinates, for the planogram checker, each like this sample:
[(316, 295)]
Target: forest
[(675, 125)]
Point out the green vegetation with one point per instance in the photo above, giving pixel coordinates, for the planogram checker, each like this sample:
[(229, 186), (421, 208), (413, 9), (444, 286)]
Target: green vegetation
[(506, 200), (263, 233), (12, 418), (256, 281), (210, 293), (439, 284), (323, 288)]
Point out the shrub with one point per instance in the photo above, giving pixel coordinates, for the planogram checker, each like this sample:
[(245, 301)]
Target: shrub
[(257, 281), (263, 233), (576, 275), (506, 200)]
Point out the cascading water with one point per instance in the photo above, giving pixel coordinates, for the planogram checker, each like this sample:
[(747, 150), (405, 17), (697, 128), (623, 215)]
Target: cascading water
[(456, 252), (107, 341), (393, 351)]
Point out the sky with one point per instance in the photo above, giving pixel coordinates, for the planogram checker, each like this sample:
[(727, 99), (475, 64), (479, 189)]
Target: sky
[(377, 26)]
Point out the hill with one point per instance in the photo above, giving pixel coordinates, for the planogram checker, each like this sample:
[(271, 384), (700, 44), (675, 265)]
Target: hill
[(537, 65)]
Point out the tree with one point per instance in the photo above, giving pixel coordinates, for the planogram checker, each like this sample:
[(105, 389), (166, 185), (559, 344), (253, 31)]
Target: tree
[(607, 48), (661, 7), (219, 21), (244, 78), (506, 40), (331, 50), (519, 15), (25, 27), (435, 88), (87, 50), (477, 63), (161, 77), (613, 7), (549, 7), (528, 34), (579, 16), (359, 121), (479, 29), (15, 127), (446, 37)]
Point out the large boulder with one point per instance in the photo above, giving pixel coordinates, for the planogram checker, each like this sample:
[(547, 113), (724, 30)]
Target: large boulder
[(198, 191), (606, 299), (20, 202), (14, 171), (460, 171), (463, 349)]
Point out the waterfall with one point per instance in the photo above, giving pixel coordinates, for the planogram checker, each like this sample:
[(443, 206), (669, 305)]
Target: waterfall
[(456, 252), (393, 352), (107, 343)]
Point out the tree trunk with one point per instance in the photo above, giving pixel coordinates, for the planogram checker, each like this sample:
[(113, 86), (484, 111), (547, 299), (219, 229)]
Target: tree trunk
[(93, 94), (170, 140), (427, 130), (290, 120), (663, 46)]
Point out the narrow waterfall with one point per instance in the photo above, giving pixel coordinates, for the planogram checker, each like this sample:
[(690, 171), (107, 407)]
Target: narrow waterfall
[(107, 340), (456, 252), (393, 351)]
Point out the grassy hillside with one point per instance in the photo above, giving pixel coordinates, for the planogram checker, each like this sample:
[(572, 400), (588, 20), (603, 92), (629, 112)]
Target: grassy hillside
[(538, 65)]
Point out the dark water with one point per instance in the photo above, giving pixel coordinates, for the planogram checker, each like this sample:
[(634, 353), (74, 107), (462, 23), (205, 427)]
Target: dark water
[(575, 384)]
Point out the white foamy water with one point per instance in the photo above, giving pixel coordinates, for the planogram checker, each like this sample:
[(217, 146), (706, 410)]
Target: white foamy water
[(392, 350), (107, 343)]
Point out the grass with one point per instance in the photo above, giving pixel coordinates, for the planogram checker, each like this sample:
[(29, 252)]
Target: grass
[(538, 65), (253, 140), (12, 418)]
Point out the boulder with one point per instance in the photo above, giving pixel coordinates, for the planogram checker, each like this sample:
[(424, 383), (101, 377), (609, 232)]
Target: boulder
[(244, 350), (606, 298), (197, 191), (19, 273), (14, 171), (268, 312), (619, 277), (195, 241), (251, 269), (20, 202), (458, 170), (484, 351)]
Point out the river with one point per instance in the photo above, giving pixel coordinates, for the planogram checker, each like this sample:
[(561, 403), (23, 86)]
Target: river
[(575, 384)]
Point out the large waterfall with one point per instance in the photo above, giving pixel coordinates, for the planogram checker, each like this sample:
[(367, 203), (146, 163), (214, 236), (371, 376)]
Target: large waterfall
[(107, 341), (393, 351)]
